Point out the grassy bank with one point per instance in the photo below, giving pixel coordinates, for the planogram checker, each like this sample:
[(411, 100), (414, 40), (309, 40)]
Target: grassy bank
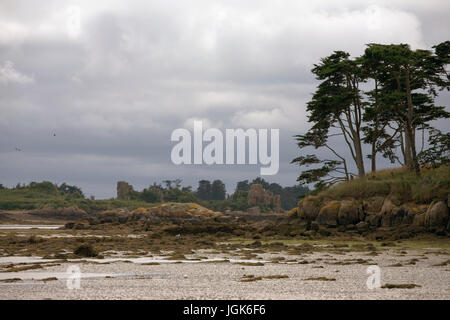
[(398, 184), (28, 198)]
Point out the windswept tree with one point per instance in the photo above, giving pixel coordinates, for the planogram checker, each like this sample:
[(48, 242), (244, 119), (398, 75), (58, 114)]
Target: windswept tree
[(378, 130), (382, 99), (336, 107), (410, 80), (331, 170)]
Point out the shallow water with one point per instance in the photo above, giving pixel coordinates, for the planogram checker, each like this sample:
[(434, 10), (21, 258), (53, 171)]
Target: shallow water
[(140, 260), (28, 227)]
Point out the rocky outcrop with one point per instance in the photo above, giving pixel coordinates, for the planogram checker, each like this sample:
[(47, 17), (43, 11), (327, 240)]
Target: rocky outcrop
[(308, 208), (362, 226), (391, 215), (328, 214), (350, 212), (124, 190), (437, 216), (373, 204), (373, 213), (257, 195), (276, 202)]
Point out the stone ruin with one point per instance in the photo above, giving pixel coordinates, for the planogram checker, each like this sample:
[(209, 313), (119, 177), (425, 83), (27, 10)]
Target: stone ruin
[(124, 190), (258, 195)]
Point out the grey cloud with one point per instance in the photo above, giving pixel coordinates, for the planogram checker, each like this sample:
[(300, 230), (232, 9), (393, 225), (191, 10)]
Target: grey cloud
[(137, 71)]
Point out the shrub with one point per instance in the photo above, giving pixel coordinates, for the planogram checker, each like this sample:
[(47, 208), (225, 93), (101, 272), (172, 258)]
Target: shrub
[(86, 250)]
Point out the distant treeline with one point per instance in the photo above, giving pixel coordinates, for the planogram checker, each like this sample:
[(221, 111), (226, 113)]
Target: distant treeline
[(209, 194), (214, 195)]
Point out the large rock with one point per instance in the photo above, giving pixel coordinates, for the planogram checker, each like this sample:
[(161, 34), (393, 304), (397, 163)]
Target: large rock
[(328, 214), (373, 204), (362, 226), (276, 202), (412, 210), (373, 219), (392, 215), (257, 195), (308, 208), (437, 216), (350, 212), (419, 220)]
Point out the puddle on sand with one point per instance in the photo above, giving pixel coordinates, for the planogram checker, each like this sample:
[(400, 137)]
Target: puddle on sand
[(20, 259), (140, 260), (29, 226)]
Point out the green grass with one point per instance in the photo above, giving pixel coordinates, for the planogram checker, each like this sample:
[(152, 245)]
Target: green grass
[(29, 198), (400, 185)]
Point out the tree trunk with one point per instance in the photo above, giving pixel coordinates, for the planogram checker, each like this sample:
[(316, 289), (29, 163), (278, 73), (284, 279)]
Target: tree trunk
[(407, 150), (410, 132), (359, 157), (373, 157)]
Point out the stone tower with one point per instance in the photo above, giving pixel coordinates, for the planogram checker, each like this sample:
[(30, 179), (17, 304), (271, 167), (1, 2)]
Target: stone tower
[(124, 190)]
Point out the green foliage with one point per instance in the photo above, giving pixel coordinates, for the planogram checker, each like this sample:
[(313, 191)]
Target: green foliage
[(218, 191), (44, 187), (204, 190), (45, 194), (72, 190), (438, 152), (243, 185), (397, 99), (149, 195)]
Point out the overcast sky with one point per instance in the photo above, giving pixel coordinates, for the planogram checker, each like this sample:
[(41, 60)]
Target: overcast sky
[(113, 79)]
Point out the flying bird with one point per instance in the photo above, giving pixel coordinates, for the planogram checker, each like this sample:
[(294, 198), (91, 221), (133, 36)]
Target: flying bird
[(17, 149)]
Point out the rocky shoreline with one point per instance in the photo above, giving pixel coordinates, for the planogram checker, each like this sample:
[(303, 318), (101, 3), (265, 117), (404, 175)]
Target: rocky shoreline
[(374, 213)]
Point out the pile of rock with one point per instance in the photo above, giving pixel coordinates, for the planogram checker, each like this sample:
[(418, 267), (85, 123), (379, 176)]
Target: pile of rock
[(257, 195), (374, 213)]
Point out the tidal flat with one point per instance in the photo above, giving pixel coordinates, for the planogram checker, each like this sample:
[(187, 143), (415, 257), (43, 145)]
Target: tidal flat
[(131, 264)]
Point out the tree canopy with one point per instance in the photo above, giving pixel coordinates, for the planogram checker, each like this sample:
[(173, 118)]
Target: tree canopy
[(382, 98)]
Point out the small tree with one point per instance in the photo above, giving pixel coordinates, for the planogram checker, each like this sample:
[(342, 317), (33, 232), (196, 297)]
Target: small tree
[(243, 185), (204, 190), (218, 191)]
